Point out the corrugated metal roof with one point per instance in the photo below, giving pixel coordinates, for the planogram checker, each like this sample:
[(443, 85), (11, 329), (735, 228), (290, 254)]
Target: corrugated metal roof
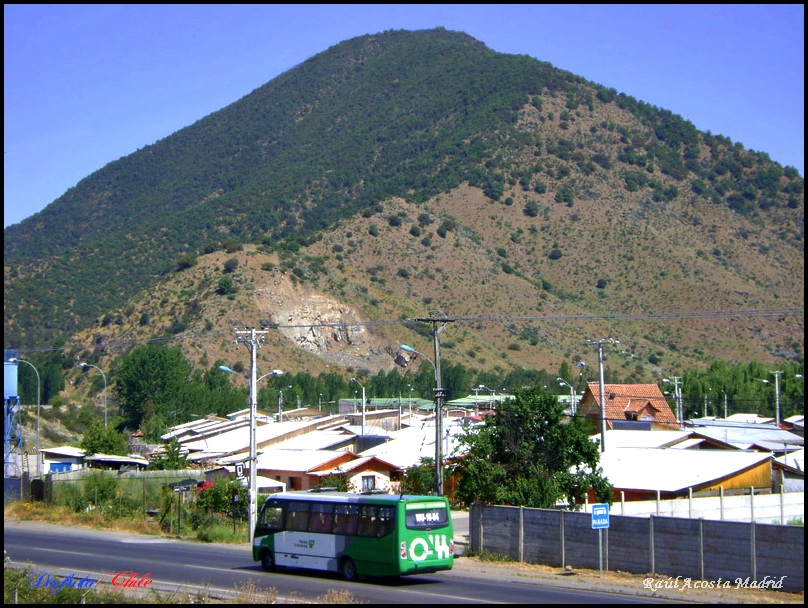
[(114, 458), (318, 440), (795, 460), (237, 438), (64, 450), (747, 436), (666, 470), (643, 439), (296, 460)]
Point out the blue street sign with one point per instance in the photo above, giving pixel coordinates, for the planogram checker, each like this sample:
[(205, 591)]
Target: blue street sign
[(600, 516)]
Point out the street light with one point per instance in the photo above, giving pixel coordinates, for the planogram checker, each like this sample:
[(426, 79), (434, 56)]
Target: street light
[(677, 396), (85, 366), (777, 375), (363, 403), (706, 401), (563, 382), (600, 344), (438, 420), (253, 507), (38, 456)]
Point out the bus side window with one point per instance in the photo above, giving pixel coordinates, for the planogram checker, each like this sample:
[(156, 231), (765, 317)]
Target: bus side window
[(297, 516), (320, 517), (367, 520), (345, 519), (387, 519), (271, 517)]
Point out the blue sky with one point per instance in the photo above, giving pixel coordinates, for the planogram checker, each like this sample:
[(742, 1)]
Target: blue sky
[(87, 84)]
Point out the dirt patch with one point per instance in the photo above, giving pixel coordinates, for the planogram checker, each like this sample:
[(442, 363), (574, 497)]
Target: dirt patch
[(641, 585)]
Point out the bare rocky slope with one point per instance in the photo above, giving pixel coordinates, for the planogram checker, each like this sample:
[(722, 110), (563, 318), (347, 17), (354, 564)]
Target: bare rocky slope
[(341, 303)]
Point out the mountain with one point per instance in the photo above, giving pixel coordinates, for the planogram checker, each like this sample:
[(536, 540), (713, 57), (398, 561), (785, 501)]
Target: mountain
[(408, 172)]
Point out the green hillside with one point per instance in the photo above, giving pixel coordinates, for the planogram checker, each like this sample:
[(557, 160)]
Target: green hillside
[(395, 125)]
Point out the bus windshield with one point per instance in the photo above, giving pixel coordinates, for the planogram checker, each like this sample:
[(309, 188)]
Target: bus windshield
[(426, 516)]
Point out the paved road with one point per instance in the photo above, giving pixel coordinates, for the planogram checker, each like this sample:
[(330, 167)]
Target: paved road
[(176, 568)]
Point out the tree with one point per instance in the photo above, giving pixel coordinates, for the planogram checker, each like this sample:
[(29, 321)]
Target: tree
[(420, 478), (217, 497), (100, 440), (338, 482), (185, 261), (226, 286), (529, 454), (173, 459), (151, 373)]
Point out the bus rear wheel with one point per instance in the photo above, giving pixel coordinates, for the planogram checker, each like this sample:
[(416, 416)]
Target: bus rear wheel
[(267, 561), (348, 569)]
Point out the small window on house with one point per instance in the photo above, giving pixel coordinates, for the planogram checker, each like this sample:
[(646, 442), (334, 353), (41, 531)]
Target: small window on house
[(368, 483)]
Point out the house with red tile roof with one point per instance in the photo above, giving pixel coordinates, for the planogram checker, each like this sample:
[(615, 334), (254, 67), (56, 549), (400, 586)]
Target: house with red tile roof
[(626, 404)]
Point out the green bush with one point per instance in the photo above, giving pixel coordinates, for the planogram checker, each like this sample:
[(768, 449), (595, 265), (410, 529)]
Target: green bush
[(100, 488)]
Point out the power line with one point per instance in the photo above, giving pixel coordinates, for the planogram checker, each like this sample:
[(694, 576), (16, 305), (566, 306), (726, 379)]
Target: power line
[(718, 314)]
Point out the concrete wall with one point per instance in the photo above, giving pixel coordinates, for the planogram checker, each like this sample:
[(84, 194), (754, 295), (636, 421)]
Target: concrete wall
[(668, 546)]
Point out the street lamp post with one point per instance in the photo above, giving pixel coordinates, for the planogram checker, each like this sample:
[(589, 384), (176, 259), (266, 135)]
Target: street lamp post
[(706, 400), (253, 490), (363, 403), (85, 366), (677, 396), (438, 419), (252, 338), (563, 382), (600, 344), (38, 455), (777, 375)]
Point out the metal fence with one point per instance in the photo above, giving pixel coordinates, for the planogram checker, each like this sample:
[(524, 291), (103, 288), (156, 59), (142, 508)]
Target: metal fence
[(129, 493)]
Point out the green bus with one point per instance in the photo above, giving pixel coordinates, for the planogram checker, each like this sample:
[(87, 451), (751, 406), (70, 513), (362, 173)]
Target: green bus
[(356, 535)]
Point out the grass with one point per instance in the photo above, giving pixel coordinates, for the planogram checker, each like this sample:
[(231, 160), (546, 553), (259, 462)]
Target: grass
[(487, 556), (99, 519)]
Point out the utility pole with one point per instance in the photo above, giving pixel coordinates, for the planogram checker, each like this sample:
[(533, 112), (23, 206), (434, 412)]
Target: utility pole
[(363, 403), (600, 344), (438, 325), (252, 338), (777, 375)]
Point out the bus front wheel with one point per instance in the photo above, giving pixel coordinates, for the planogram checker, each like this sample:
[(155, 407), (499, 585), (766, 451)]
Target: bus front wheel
[(348, 569), (267, 561)]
